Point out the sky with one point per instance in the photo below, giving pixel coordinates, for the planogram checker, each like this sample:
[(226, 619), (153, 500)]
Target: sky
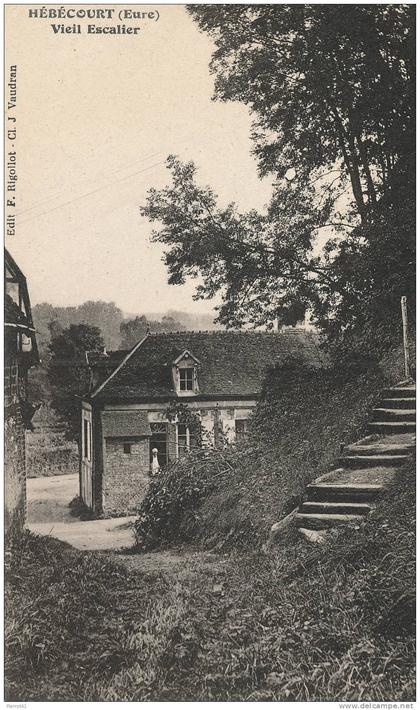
[(96, 118)]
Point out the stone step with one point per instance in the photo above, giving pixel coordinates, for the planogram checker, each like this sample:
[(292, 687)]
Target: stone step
[(321, 521), (399, 403), (393, 392), (356, 461), (378, 449), (344, 507), (394, 415), (344, 492), (381, 427), (381, 475), (372, 445)]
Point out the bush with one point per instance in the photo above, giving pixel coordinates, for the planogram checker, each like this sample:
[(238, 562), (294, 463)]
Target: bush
[(169, 512), (47, 451)]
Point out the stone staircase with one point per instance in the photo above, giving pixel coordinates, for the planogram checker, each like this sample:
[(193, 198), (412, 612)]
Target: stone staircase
[(367, 467)]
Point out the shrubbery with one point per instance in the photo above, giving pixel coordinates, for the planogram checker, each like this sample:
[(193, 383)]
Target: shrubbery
[(170, 512)]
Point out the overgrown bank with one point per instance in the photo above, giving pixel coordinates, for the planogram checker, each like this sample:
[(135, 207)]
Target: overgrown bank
[(230, 498), (322, 624)]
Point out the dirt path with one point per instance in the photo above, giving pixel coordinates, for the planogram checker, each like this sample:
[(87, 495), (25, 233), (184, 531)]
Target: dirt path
[(49, 514), (48, 498)]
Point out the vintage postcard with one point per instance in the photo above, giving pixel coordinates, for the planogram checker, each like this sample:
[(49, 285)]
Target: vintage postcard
[(209, 362)]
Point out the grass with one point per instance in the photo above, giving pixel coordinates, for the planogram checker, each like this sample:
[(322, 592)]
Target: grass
[(327, 623)]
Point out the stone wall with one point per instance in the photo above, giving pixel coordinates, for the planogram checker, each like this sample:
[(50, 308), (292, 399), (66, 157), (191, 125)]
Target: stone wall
[(126, 475), (14, 450)]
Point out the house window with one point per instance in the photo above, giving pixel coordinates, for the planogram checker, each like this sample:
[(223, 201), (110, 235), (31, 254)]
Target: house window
[(127, 447), (241, 430), (183, 439), (186, 379)]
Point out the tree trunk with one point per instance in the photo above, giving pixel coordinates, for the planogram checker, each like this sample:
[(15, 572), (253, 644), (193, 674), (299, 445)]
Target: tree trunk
[(366, 168), (351, 164)]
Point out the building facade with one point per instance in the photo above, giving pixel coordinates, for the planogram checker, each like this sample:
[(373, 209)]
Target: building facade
[(132, 419), (20, 354)]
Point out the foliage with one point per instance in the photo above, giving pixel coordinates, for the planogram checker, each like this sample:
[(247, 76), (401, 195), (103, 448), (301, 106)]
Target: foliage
[(181, 413), (68, 373), (266, 265), (327, 623), (135, 329), (330, 87), (331, 90), (79, 509), (50, 456), (169, 514)]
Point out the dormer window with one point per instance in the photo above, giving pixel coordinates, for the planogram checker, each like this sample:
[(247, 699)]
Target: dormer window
[(186, 379), (185, 374)]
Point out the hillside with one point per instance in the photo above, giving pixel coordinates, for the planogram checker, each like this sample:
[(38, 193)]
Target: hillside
[(329, 623), (230, 498)]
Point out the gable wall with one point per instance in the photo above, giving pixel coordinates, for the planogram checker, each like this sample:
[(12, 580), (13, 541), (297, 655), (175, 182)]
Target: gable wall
[(126, 476)]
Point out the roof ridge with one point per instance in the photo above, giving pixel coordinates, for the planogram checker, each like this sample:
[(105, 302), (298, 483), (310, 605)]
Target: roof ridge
[(231, 332)]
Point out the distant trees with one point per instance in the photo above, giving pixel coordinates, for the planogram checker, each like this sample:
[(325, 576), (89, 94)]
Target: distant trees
[(117, 331), (135, 329), (68, 374), (103, 315)]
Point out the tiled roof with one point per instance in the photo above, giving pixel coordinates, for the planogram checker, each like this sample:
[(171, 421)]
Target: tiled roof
[(232, 363), (129, 423)]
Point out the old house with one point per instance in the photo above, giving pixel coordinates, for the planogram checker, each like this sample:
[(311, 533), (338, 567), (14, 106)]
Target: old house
[(20, 354), (124, 419)]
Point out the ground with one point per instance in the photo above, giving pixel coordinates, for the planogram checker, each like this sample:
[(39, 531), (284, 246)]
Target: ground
[(49, 514)]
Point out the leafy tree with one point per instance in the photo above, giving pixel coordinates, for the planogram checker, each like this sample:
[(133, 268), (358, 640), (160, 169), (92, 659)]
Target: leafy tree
[(331, 92), (254, 264), (330, 86), (68, 373), (105, 316)]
